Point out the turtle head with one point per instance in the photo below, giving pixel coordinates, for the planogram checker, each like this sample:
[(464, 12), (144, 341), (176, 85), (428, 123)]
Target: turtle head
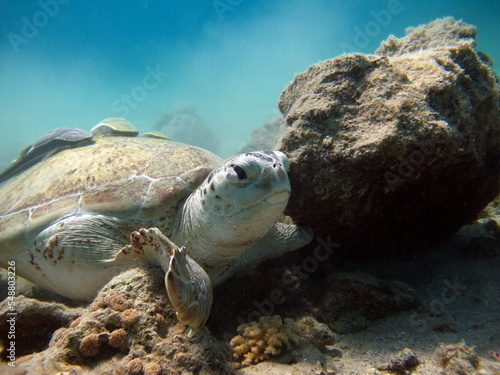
[(254, 181), (241, 199)]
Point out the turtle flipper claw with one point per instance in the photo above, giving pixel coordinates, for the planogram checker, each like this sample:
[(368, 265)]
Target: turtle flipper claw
[(188, 285), (189, 290)]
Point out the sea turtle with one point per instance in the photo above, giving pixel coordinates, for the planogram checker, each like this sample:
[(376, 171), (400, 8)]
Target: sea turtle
[(45, 146), (75, 220)]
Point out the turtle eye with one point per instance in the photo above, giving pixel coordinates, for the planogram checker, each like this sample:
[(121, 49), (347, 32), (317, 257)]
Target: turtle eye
[(240, 172), (236, 174)]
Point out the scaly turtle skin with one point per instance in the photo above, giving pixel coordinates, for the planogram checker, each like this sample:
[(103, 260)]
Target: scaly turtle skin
[(74, 220), (45, 146)]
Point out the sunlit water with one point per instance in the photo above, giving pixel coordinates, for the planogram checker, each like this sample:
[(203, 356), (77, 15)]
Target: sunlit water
[(73, 63)]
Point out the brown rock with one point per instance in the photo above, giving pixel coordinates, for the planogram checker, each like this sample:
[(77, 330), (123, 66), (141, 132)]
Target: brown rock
[(386, 149), (441, 32), (355, 297), (402, 362)]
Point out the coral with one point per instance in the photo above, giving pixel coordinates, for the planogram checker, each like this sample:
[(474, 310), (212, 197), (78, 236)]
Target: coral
[(152, 368), (112, 300), (129, 317), (134, 367), (269, 336), (117, 302), (457, 359), (130, 328), (89, 345), (36, 322), (118, 338)]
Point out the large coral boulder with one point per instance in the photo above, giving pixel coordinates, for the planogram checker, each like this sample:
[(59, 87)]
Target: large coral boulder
[(396, 148), (130, 328)]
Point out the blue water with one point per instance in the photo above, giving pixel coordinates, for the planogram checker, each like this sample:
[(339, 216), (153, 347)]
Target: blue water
[(72, 63)]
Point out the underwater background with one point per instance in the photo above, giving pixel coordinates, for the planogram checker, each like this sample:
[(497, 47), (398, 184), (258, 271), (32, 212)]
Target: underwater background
[(73, 63)]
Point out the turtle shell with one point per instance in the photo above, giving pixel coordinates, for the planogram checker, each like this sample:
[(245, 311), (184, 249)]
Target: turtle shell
[(138, 179)]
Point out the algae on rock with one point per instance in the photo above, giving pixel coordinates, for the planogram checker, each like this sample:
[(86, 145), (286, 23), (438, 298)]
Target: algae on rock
[(394, 150)]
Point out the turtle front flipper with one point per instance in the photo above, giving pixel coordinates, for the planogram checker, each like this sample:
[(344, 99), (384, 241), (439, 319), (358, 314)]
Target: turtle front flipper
[(188, 286), (281, 239), (190, 290)]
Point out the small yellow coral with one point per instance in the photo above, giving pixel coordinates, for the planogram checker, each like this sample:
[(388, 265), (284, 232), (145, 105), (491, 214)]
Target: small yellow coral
[(268, 337)]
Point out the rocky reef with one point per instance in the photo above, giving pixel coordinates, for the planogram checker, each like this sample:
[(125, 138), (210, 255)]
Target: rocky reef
[(266, 137), (185, 125), (35, 322), (397, 148), (130, 328), (446, 32)]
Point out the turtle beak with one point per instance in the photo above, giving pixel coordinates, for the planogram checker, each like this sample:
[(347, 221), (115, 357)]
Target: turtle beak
[(278, 197)]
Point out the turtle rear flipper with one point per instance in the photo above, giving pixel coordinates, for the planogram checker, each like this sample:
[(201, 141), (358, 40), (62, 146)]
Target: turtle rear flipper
[(74, 256)]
